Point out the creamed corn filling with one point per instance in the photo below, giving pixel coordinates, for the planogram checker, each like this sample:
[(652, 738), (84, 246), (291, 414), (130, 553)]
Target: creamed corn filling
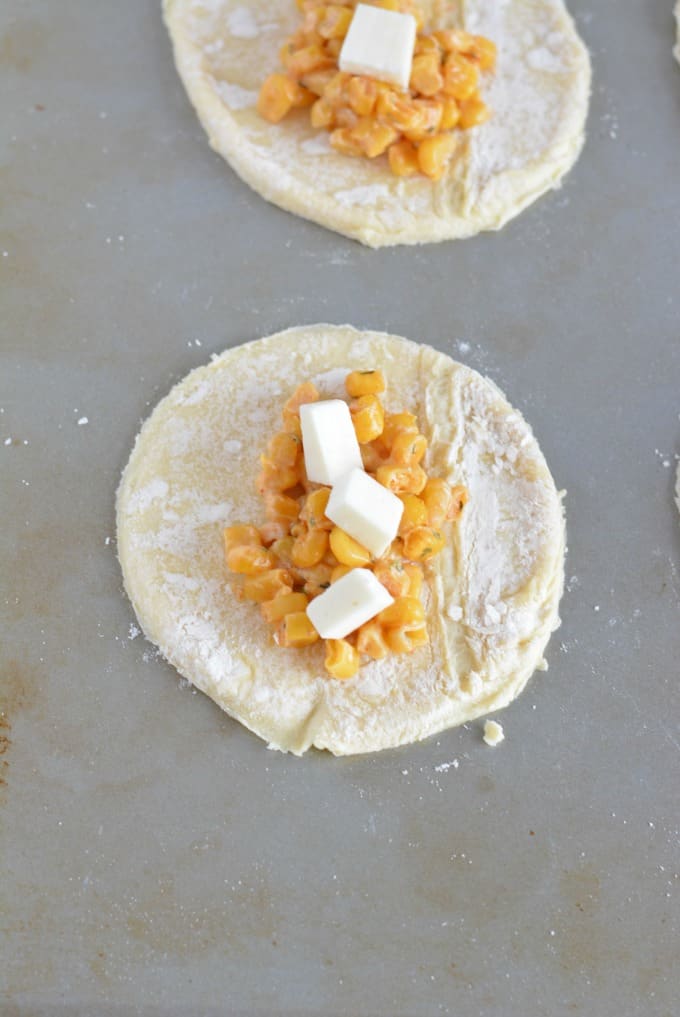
[(298, 552)]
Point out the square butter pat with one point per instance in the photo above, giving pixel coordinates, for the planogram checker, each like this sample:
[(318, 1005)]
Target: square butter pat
[(366, 510), (329, 441), (379, 43), (347, 604)]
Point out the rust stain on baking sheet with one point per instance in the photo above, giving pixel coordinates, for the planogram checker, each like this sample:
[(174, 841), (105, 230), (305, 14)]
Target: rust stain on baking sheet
[(585, 943), (162, 922), (37, 573), (581, 888), (18, 685), (22, 44)]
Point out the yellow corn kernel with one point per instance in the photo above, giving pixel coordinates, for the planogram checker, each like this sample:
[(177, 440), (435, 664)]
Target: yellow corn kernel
[(401, 479), (371, 458), (429, 119), (434, 155), (291, 424), (418, 637), (368, 418), (395, 422), (309, 548), (335, 22), (482, 51), (422, 543), (276, 97), (248, 560), (295, 630), (393, 576), (321, 114), (335, 92), (415, 576), (408, 448), (371, 640), (273, 530), (283, 449), (333, 49), (426, 44), (276, 478), (375, 138), (346, 117), (240, 534), (437, 498), (342, 660), (316, 579), (317, 81), (405, 612), (452, 40), (362, 95), (313, 512), (276, 608), (473, 112), (450, 114), (342, 141), (398, 640), (339, 571), (304, 98), (397, 110), (461, 77), (347, 550), (362, 383), (305, 393), (309, 58), (414, 514), (282, 549), (267, 585), (426, 76), (280, 506), (459, 499), (403, 159)]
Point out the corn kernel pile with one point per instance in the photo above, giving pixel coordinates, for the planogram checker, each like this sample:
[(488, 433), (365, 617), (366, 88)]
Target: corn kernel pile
[(367, 117), (299, 552)]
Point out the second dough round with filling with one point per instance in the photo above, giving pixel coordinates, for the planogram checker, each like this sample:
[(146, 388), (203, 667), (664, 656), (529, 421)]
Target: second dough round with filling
[(491, 596)]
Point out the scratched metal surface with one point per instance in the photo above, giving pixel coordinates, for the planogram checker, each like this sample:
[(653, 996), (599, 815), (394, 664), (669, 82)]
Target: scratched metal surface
[(157, 859)]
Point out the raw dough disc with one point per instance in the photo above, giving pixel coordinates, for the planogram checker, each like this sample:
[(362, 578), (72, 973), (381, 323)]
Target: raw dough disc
[(539, 94), (192, 472)]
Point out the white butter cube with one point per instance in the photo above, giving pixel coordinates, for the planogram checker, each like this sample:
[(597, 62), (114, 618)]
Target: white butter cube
[(366, 510), (329, 441), (347, 604), (379, 43)]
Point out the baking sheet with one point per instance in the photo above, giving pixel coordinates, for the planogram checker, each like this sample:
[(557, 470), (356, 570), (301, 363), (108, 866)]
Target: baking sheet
[(157, 859)]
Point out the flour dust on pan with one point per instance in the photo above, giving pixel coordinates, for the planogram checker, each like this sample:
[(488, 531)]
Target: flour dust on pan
[(491, 596)]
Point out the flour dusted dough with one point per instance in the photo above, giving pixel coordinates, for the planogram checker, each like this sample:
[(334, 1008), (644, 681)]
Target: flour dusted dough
[(539, 94), (493, 595)]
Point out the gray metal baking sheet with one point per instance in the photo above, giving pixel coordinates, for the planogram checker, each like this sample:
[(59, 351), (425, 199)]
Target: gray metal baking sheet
[(157, 859)]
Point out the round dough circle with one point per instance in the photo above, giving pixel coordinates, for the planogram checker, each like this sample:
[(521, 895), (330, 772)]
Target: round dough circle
[(492, 594), (539, 94)]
